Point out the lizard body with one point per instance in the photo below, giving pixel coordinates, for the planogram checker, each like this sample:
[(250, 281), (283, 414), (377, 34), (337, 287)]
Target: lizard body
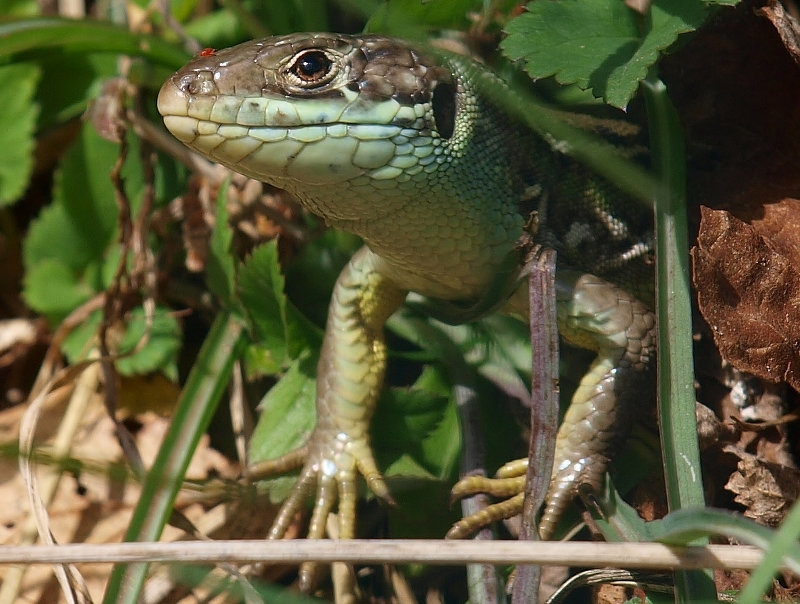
[(401, 147)]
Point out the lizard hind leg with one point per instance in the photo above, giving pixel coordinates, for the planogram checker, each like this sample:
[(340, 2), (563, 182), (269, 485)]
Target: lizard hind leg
[(597, 315), (602, 317)]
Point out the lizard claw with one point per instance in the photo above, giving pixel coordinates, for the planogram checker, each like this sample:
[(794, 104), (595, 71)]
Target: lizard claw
[(330, 468)]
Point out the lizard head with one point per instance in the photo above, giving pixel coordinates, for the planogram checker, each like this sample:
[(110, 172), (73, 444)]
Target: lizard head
[(316, 110)]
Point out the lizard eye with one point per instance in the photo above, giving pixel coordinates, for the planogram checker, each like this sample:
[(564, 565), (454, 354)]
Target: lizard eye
[(312, 68)]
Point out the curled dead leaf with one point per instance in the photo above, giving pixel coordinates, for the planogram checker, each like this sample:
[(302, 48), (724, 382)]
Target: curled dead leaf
[(786, 24), (749, 293), (767, 490)]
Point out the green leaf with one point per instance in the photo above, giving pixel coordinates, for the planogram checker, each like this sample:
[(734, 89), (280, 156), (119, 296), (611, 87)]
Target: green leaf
[(261, 293), (423, 504), (310, 277), (499, 347), (288, 17), (53, 231), (286, 421), (406, 467), (668, 19), (573, 39), (598, 44), (259, 362), (17, 122), (19, 8), (81, 223), (403, 17), (161, 350), (305, 339), (77, 77), (79, 229), (170, 178), (220, 269), (79, 342), (304, 336), (420, 424), (158, 354), (189, 577), (463, 351), (180, 9), (52, 289), (309, 281), (417, 442), (619, 521), (218, 29)]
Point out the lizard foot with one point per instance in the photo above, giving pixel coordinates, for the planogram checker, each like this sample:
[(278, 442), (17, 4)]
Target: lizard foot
[(331, 463), (508, 484)]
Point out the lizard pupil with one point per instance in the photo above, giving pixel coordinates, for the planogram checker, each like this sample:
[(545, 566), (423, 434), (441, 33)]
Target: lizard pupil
[(312, 65)]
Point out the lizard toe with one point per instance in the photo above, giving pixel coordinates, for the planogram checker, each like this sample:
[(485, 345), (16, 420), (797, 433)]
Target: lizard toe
[(496, 487), (300, 492), (492, 513)]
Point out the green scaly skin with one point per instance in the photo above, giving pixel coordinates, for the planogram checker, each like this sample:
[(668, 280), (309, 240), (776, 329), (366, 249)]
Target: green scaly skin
[(399, 146)]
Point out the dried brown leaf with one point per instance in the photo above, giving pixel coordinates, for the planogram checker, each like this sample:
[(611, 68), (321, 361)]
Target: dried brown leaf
[(749, 293), (779, 223), (786, 24), (95, 506), (766, 489), (610, 594)]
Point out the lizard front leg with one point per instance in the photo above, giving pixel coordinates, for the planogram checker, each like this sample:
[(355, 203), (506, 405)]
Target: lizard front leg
[(599, 316), (349, 379)]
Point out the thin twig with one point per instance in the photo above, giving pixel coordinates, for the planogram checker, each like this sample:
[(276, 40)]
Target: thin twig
[(482, 578), (540, 267), (398, 551)]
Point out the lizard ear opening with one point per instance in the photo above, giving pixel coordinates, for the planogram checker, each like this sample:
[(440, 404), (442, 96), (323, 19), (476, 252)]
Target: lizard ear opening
[(444, 108)]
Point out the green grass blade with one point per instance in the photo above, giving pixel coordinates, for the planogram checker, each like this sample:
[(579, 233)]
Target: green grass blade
[(205, 386), (686, 526), (86, 36), (783, 543), (781, 548), (675, 364)]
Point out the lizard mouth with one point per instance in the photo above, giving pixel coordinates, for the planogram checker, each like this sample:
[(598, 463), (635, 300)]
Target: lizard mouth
[(315, 141)]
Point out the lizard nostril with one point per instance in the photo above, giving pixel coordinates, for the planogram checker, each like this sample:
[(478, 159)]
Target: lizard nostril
[(200, 82)]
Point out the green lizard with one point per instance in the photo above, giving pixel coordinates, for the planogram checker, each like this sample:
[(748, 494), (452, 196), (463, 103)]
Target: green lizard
[(401, 146)]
